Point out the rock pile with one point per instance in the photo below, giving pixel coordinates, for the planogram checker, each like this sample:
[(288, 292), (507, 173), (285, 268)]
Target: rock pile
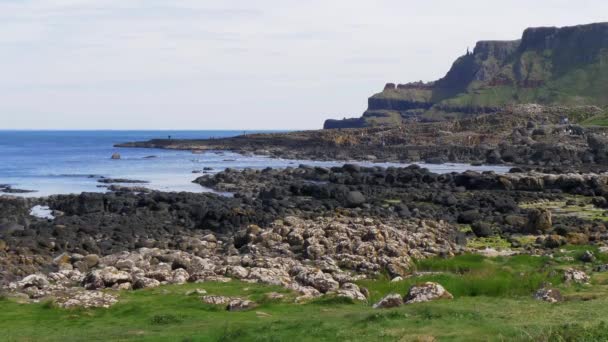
[(311, 257)]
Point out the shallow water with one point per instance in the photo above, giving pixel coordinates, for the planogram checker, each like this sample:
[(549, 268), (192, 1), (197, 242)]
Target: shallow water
[(64, 162)]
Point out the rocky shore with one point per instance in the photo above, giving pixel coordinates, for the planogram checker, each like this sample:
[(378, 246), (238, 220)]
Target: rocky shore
[(310, 229), (534, 135)]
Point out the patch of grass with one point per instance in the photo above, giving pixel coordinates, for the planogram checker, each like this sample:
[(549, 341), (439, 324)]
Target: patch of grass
[(492, 302), (473, 275), (582, 208), (164, 319), (465, 228), (459, 264), (495, 242), (333, 300)]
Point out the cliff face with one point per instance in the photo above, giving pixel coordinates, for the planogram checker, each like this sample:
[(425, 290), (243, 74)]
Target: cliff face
[(548, 65)]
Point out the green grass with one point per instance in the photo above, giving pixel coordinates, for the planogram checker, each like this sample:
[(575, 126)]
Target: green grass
[(598, 120), (492, 302), (495, 242), (582, 208)]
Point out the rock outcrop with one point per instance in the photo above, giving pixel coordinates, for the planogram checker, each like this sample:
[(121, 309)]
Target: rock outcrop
[(501, 73)]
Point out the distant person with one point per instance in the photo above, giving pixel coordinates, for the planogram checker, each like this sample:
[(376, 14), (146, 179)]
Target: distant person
[(169, 137)]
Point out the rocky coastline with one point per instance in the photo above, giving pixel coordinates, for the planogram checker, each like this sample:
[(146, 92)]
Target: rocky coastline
[(312, 230), (523, 135)]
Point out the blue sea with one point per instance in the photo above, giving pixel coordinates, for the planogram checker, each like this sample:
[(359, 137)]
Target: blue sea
[(64, 162)]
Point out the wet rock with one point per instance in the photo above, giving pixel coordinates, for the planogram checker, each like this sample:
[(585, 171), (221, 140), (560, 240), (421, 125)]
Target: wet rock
[(427, 292), (115, 156)]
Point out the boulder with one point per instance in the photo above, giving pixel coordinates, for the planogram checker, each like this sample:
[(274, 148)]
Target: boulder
[(144, 283), (39, 281), (239, 304), (354, 199), (216, 300), (115, 156), (179, 276), (539, 220), (86, 299), (427, 292), (482, 229), (548, 295), (392, 300), (352, 291), (572, 275), (587, 256), (199, 292)]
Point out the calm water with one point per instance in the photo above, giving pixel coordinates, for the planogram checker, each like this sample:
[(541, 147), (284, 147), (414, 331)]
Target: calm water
[(61, 162)]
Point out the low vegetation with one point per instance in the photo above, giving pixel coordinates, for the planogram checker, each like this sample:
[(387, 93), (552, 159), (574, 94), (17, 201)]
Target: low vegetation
[(492, 301)]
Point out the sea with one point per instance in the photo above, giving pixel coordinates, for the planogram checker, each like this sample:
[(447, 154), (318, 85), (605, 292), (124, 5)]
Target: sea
[(71, 162)]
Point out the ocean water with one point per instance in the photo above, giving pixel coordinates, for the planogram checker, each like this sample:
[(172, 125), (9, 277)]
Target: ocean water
[(63, 162)]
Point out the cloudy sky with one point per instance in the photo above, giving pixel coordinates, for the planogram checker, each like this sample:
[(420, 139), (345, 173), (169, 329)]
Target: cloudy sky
[(254, 64)]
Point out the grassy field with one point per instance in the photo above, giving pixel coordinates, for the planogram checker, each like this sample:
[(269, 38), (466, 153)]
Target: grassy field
[(493, 301)]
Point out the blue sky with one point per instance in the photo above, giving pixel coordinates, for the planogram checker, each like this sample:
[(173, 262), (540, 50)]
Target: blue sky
[(186, 64)]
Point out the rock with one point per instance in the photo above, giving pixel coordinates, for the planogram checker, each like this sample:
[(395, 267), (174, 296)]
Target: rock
[(111, 275), (354, 199), (587, 256), (216, 300), (62, 259), (39, 281), (352, 291), (397, 279), (238, 272), (274, 295), (199, 292), (392, 300), (116, 156), (482, 229), (86, 299), (91, 260), (548, 295), (427, 292), (319, 280), (122, 286), (125, 264), (572, 275), (554, 241), (601, 268), (539, 220), (179, 276), (144, 283), (239, 304)]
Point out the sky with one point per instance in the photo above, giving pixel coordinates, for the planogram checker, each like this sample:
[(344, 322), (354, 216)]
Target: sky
[(254, 64)]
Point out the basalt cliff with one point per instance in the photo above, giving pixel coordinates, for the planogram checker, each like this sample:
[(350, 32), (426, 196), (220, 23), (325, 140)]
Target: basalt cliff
[(552, 66)]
